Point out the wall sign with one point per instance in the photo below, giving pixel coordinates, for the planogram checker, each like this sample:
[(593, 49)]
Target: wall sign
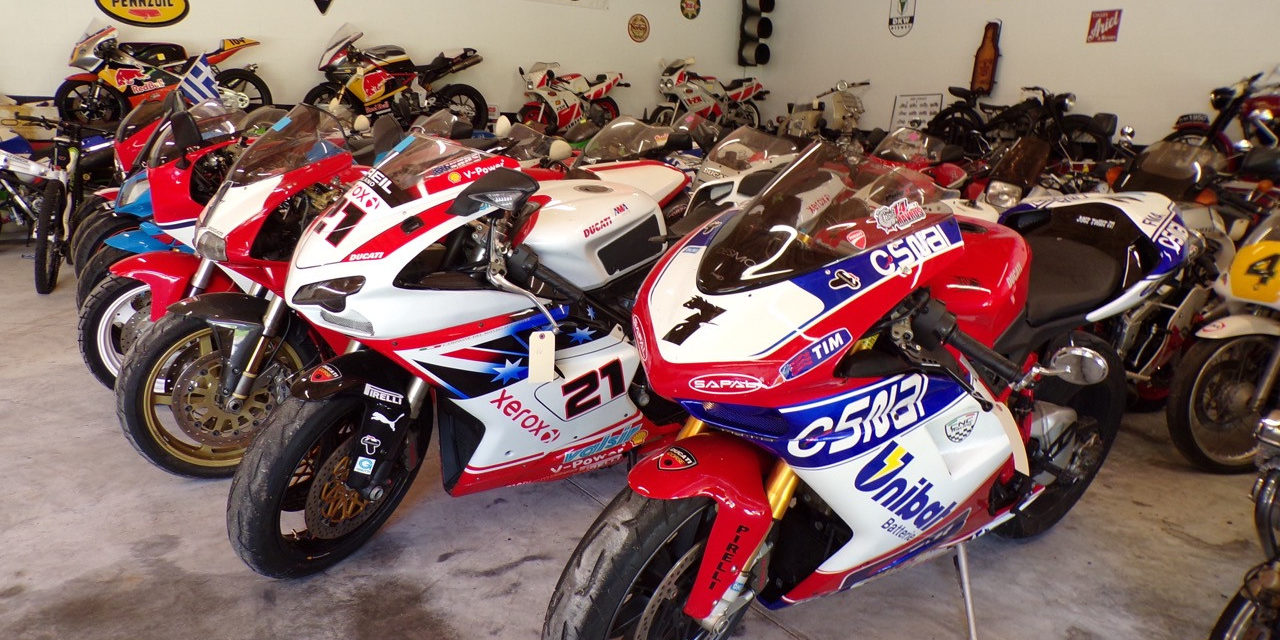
[(902, 16), (323, 6), (638, 27), (915, 110), (588, 4), (690, 8), (1104, 26), (145, 13)]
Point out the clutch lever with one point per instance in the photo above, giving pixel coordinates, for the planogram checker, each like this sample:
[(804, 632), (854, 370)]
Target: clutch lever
[(497, 275)]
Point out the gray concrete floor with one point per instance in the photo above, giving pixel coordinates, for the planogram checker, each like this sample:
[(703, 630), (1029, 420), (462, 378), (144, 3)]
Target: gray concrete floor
[(97, 543)]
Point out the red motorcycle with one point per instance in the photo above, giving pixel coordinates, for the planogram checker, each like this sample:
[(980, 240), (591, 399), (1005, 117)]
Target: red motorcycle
[(1255, 106)]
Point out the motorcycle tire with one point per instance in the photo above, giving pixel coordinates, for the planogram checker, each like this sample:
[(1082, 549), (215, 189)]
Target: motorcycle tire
[(1080, 142), (1212, 373), (248, 83), (609, 107), (279, 518), (537, 114), (959, 126), (745, 114), (89, 207), (465, 100), (322, 94), (94, 238), (96, 270), (636, 548), (1240, 620), (113, 316), (1099, 408), (160, 365), (87, 220), (76, 102), (662, 117), (48, 236)]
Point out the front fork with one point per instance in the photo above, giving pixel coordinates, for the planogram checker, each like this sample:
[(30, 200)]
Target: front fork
[(1267, 383), (382, 435), (249, 347)]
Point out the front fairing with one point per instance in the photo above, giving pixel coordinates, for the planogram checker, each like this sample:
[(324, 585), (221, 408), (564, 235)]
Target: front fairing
[(85, 52), (334, 55)]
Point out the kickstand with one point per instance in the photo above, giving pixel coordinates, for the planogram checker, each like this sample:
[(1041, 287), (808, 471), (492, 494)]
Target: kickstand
[(962, 572)]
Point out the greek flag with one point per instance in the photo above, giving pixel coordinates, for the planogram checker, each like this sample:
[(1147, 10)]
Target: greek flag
[(198, 84)]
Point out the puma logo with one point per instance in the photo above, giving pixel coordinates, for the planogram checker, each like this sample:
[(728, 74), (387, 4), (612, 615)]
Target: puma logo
[(378, 417)]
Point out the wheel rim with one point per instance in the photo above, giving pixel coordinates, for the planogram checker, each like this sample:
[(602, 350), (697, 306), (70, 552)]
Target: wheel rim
[(86, 108), (463, 105), (664, 117), (189, 414), (118, 325), (247, 89), (1221, 422)]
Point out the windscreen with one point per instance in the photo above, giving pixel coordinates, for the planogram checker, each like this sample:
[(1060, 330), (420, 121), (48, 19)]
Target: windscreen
[(214, 121), (147, 112), (810, 216), (624, 138), (419, 157), (909, 145), (745, 146), (440, 123), (83, 54), (704, 132), (345, 35), (306, 135), (527, 143), (1170, 168)]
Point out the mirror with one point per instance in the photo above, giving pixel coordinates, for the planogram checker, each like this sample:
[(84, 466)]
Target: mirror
[(460, 130), (842, 86), (502, 127), (505, 189), (1079, 366), (186, 133), (559, 150)]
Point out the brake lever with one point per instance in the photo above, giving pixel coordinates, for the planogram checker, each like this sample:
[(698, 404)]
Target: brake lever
[(497, 275)]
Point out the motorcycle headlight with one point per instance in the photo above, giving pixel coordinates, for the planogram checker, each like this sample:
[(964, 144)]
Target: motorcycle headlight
[(1219, 98), (329, 294), (131, 190), (1067, 101), (1003, 195), (211, 246), (667, 83), (528, 85)]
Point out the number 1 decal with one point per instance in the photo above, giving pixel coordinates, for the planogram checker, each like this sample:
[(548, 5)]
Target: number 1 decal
[(582, 394)]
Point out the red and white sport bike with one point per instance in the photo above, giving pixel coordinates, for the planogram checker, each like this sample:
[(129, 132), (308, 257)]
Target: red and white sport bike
[(558, 101), (452, 270), (871, 382), (687, 92)]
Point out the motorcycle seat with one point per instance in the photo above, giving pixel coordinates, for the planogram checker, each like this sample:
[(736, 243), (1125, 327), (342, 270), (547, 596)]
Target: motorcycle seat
[(737, 83), (992, 108), (440, 64), (962, 93), (155, 53), (1262, 163), (385, 51), (1068, 278)]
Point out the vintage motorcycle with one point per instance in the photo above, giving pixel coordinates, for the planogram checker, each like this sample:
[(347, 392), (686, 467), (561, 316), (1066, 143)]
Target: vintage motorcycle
[(380, 80), (730, 105), (485, 304), (122, 74), (1254, 105), (833, 438), (808, 119), (1075, 137), (556, 101)]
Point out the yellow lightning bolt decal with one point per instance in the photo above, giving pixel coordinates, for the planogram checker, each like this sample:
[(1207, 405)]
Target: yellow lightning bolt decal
[(891, 463)]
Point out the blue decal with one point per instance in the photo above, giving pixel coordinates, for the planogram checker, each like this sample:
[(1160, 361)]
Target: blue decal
[(608, 442), (281, 123), (136, 241), (816, 353)]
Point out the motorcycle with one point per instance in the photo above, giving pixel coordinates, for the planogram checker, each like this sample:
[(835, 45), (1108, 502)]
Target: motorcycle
[(736, 168), (558, 101), (1075, 137), (120, 75), (483, 301), (196, 387), (687, 92), (1228, 376), (832, 438), (807, 120), (1247, 101), (379, 80)]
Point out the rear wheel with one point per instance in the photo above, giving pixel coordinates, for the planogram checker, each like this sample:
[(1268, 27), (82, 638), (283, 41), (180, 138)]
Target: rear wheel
[(538, 114), (290, 512), (961, 128), (632, 573), (1209, 418), (465, 101), (608, 107), (743, 114), (48, 238), (252, 89), (91, 103), (1080, 448), (113, 316)]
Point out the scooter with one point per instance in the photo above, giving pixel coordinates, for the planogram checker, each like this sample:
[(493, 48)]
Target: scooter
[(558, 101), (869, 385), (684, 91)]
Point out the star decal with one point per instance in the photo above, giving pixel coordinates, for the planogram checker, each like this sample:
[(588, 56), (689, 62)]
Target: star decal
[(581, 335), (509, 371)]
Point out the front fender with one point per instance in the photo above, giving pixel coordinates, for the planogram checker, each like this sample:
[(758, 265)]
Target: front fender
[(227, 308), (348, 374), (730, 471), (169, 274), (1239, 325), (136, 241), (82, 77)]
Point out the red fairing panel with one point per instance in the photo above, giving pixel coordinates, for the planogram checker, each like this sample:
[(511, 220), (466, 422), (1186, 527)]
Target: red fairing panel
[(171, 189), (747, 91), (730, 471), (169, 276), (127, 150), (988, 289)]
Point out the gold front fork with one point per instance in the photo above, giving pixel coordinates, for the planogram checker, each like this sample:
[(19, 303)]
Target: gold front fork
[(779, 487)]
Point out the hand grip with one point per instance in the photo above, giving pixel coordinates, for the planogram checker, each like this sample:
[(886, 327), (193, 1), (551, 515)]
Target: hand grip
[(935, 326)]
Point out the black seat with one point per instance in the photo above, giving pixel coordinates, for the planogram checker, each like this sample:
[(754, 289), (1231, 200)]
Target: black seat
[(1262, 163), (737, 83), (1067, 278), (992, 108), (155, 53), (385, 51), (962, 93), (439, 65)]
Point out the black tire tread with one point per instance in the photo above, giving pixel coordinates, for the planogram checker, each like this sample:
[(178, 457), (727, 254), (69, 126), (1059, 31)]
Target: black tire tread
[(91, 315), (96, 270)]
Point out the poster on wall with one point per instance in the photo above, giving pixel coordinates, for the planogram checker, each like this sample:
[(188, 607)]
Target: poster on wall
[(145, 13), (914, 109), (586, 4), (902, 16), (1104, 26)]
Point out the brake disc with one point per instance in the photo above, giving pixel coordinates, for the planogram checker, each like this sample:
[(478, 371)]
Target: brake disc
[(334, 509), (198, 410)]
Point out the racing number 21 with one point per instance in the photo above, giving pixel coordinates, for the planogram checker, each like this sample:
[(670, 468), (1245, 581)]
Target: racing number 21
[(582, 394)]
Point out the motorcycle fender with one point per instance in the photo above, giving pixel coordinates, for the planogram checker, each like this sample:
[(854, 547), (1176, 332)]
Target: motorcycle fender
[(169, 275), (136, 241), (1239, 325), (231, 309), (730, 471), (82, 77), (348, 374), (108, 193)]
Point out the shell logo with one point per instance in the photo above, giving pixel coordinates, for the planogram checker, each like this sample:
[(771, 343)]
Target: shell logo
[(455, 177)]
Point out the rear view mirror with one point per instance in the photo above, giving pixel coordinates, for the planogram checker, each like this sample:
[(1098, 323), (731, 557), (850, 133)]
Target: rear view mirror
[(505, 189), (842, 86), (186, 133), (1078, 365), (460, 130)]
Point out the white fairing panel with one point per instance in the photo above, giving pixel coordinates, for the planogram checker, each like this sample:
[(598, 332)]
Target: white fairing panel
[(660, 181), (237, 205)]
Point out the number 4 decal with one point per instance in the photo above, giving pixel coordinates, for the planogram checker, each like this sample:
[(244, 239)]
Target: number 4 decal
[(582, 394), (1265, 268)]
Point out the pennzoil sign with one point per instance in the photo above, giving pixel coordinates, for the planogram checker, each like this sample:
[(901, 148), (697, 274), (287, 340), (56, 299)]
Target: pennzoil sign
[(145, 13)]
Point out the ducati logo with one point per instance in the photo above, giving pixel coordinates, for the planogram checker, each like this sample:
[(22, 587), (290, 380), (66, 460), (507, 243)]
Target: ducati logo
[(902, 16), (676, 459)]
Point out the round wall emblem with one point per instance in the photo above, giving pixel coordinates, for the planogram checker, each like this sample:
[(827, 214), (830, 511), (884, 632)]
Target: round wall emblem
[(690, 8), (156, 13), (638, 27)]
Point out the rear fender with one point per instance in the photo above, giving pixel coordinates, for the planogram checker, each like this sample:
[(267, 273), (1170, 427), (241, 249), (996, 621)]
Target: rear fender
[(1239, 325), (169, 275), (731, 472)]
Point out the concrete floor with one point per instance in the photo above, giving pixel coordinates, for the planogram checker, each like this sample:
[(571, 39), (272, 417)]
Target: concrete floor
[(97, 543)]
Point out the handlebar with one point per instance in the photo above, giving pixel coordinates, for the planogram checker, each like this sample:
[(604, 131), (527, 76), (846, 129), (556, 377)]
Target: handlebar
[(1228, 198), (46, 123), (935, 326)]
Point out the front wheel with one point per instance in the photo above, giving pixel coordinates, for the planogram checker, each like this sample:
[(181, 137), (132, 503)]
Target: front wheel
[(290, 512), (632, 573), (663, 117), (465, 101), (1209, 418), (246, 83), (96, 270), (1244, 619), (538, 114), (91, 103), (608, 107), (49, 240), (113, 316), (743, 114), (168, 402), (92, 237)]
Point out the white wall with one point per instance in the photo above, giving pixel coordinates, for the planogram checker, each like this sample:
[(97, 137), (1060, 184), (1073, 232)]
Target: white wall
[(508, 33), (1170, 53)]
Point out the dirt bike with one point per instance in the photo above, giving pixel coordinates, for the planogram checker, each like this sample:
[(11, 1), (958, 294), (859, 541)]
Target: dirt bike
[(856, 405), (380, 80), (123, 74), (1225, 380), (687, 92), (1247, 101), (484, 303), (556, 101)]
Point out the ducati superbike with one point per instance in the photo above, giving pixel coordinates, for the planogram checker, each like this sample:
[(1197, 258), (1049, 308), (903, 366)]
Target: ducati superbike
[(684, 91), (487, 306), (558, 101), (380, 80), (122, 74), (870, 384)]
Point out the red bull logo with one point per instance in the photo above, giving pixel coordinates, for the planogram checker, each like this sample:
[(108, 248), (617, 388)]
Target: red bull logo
[(126, 77), (374, 83), (136, 81)]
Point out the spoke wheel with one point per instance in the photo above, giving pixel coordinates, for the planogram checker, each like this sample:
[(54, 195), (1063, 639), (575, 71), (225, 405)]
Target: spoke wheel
[(1208, 412), (48, 237)]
